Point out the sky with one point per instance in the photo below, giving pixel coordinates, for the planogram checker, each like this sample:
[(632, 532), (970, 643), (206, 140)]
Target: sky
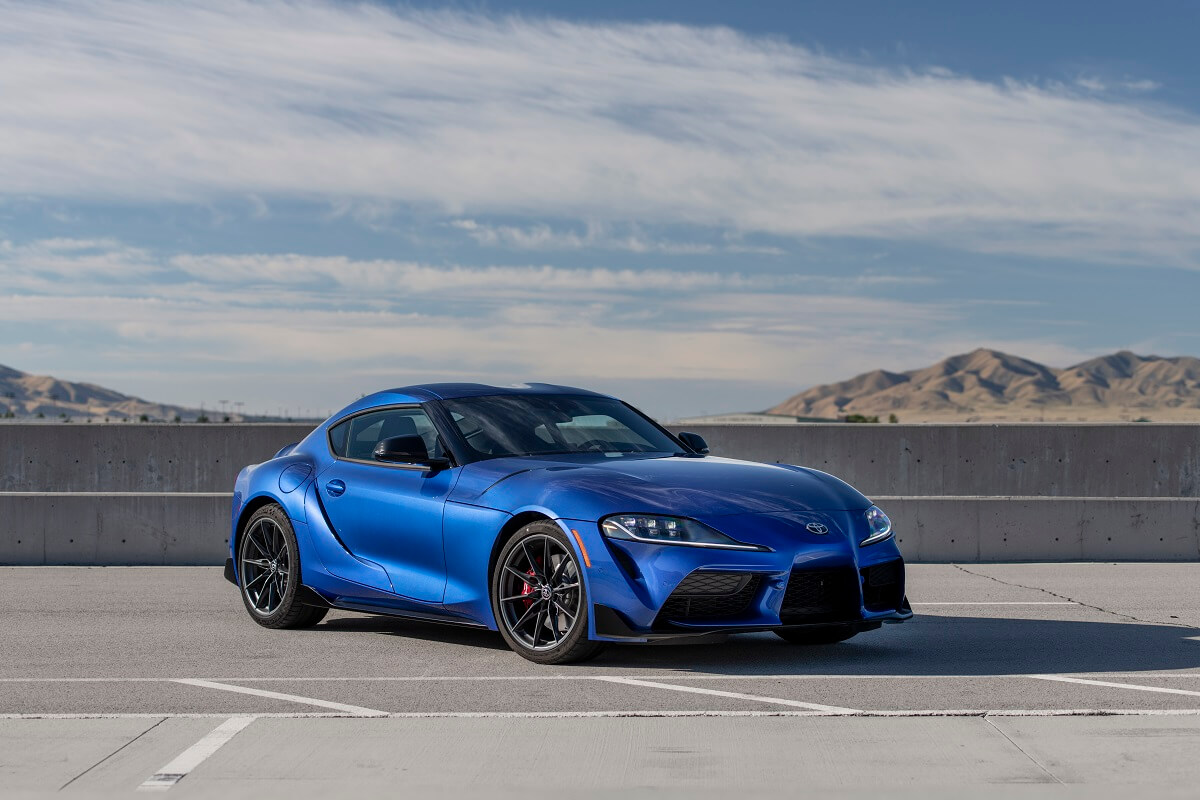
[(699, 206)]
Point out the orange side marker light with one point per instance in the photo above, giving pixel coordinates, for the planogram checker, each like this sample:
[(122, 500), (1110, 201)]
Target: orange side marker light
[(587, 561)]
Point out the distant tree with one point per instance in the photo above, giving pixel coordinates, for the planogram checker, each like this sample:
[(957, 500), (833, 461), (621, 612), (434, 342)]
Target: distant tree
[(892, 418), (225, 418), (144, 418), (41, 415), (178, 418), (861, 418), (202, 418)]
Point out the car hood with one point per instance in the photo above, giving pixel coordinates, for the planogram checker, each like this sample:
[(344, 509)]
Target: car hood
[(592, 486)]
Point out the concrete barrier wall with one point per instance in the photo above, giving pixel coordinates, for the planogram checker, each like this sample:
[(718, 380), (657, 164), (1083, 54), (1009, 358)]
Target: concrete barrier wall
[(1118, 460), (130, 457), (187, 529), (983, 529), (1130, 460), (159, 494), (104, 528)]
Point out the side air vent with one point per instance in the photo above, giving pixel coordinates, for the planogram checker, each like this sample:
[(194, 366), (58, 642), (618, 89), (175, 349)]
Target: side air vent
[(883, 585)]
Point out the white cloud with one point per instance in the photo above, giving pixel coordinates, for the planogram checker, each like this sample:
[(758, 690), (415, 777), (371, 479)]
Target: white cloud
[(1093, 83), (1142, 85), (261, 326), (370, 108), (599, 236), (122, 305)]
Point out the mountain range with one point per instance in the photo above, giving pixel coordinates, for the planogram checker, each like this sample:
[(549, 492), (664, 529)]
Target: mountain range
[(980, 386), (988, 385), (26, 396)]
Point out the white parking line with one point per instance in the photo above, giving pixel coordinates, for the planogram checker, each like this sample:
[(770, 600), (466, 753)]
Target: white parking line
[(1004, 603), (357, 711), (924, 712), (189, 759), (587, 677), (734, 695), (1111, 685), (176, 715)]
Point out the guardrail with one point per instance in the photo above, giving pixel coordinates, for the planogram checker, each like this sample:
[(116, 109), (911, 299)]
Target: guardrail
[(159, 494)]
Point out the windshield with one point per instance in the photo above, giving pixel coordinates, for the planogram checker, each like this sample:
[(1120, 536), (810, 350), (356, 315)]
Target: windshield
[(527, 425)]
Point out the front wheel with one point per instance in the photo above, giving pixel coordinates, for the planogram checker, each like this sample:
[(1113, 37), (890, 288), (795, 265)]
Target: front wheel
[(269, 572), (830, 635), (539, 599)]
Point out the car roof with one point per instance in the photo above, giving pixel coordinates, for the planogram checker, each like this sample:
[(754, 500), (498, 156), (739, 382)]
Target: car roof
[(450, 391), (422, 392)]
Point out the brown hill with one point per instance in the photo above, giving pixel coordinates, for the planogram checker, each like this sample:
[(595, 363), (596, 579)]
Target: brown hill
[(989, 385), (25, 396)]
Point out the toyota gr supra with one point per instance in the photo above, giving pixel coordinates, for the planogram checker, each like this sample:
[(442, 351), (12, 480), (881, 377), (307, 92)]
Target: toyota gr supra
[(561, 518)]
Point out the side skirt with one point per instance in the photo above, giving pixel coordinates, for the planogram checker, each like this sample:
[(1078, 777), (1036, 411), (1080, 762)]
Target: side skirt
[(311, 597)]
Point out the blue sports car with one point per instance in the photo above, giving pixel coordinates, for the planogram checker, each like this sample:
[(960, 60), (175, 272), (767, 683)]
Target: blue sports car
[(559, 517)]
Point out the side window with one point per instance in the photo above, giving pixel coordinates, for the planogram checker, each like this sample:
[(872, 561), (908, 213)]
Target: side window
[(356, 437), (337, 438)]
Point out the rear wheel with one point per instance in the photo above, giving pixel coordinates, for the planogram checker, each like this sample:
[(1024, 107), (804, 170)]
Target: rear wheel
[(830, 635), (269, 572), (539, 599)]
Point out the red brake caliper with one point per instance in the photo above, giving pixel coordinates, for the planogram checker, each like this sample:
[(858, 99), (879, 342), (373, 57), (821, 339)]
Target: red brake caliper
[(526, 589)]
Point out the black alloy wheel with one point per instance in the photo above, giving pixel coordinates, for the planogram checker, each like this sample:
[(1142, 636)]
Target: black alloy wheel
[(539, 597), (268, 568)]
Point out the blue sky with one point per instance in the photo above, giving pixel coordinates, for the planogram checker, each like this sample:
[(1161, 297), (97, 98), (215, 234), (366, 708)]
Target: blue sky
[(701, 206)]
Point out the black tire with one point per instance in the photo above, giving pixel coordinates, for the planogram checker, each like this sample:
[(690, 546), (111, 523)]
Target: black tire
[(813, 636), (532, 547), (269, 557)]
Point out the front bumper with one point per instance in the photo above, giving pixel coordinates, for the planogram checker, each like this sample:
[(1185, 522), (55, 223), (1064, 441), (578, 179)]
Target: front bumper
[(635, 587), (610, 626)]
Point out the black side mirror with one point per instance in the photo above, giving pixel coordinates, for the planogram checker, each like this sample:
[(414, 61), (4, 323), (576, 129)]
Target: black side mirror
[(408, 450), (695, 441)]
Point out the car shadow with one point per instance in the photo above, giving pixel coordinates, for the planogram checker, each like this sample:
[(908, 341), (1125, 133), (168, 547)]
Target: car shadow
[(926, 645), (415, 629), (937, 645)]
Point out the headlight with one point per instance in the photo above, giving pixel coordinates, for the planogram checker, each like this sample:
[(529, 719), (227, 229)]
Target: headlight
[(669, 530), (878, 524)]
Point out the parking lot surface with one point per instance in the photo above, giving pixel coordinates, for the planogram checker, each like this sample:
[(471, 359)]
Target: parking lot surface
[(1056, 680)]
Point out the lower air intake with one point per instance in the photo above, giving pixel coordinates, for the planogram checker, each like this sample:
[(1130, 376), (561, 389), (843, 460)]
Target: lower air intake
[(821, 595)]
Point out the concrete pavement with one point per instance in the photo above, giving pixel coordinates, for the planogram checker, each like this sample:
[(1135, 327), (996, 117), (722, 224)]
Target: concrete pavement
[(1046, 677)]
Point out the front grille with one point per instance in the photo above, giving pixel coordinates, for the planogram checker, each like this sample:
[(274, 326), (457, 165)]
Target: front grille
[(820, 595), (710, 595), (883, 585)]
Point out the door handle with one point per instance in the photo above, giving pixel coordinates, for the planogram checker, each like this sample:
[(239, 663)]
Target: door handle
[(335, 488)]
